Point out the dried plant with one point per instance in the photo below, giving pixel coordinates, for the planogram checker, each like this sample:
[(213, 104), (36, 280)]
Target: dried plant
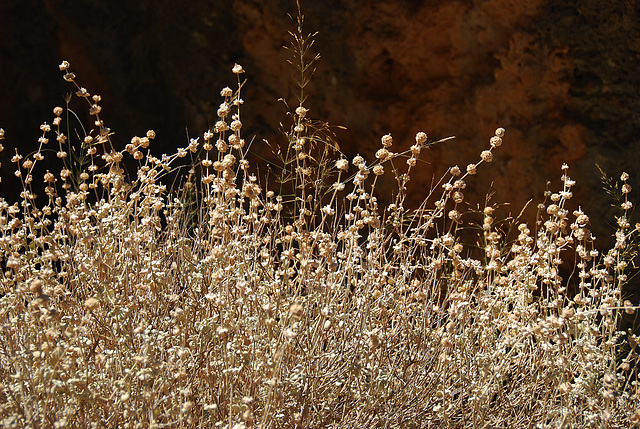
[(128, 303)]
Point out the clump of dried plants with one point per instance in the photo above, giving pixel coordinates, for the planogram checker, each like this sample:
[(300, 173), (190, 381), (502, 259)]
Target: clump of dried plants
[(221, 303)]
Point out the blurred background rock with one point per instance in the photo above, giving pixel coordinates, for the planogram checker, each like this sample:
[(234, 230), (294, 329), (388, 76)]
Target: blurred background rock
[(560, 75)]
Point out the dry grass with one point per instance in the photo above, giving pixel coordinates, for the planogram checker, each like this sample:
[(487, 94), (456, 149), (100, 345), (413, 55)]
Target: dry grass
[(218, 303)]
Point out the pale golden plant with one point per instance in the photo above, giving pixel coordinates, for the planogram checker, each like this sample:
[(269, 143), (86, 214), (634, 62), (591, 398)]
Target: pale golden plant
[(220, 303)]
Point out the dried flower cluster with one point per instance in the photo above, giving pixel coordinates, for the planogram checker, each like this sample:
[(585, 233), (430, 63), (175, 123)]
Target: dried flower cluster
[(223, 304)]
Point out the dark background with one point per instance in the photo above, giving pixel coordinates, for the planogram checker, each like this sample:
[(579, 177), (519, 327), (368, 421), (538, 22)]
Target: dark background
[(560, 75)]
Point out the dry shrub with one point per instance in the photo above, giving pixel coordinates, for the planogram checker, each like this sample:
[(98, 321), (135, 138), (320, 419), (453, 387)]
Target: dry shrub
[(218, 303)]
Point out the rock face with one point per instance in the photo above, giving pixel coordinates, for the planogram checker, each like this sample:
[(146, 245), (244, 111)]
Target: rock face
[(559, 75)]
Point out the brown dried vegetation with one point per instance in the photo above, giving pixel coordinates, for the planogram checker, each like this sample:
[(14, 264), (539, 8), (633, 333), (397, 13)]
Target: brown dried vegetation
[(219, 303)]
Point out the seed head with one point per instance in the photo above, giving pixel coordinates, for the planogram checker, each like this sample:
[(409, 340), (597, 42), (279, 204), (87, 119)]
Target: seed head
[(472, 169), (421, 138), (486, 156), (382, 154), (92, 304), (358, 161), (295, 311), (301, 111), (237, 69)]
